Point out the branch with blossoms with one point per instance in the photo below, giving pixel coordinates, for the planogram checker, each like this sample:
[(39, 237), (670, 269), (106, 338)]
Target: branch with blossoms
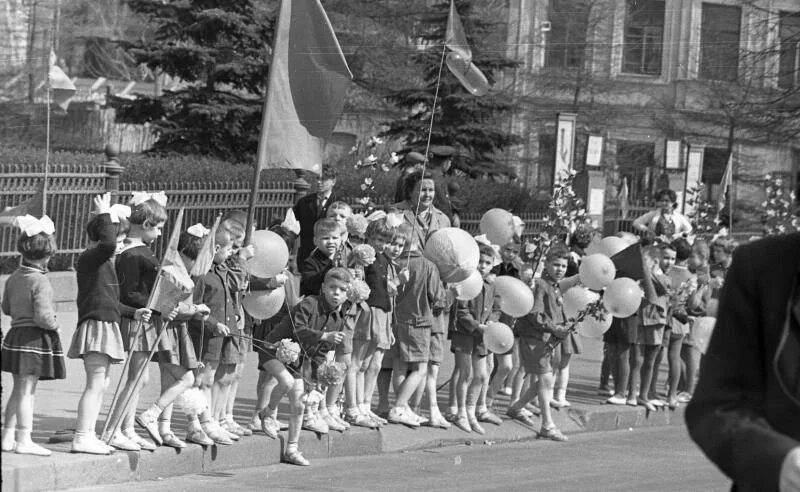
[(595, 309), (373, 157), (704, 216), (780, 209)]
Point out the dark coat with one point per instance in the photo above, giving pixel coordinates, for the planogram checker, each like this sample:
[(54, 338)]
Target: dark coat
[(740, 416), (307, 212)]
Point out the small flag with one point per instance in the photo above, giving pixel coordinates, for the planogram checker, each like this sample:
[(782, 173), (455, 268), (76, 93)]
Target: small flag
[(61, 86), (455, 39), (173, 283), (308, 80), (33, 206), (459, 61), (624, 204), (725, 184)]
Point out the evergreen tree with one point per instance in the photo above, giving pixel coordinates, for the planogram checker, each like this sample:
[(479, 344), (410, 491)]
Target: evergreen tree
[(220, 51), (474, 125)]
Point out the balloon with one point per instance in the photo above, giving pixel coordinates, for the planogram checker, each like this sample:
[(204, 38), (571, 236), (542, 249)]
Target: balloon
[(622, 297), (454, 252), (470, 288), (576, 299), (498, 225), (702, 329), (592, 327), (628, 237), (612, 245), (498, 338), (468, 74), (271, 255), (264, 304), (597, 271), (516, 298)]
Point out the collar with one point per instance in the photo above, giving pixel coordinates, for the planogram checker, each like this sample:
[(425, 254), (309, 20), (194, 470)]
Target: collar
[(34, 268), (327, 308), (325, 196)]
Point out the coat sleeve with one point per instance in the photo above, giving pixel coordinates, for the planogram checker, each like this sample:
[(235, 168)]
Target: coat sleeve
[(6, 303), (303, 317), (44, 313), (540, 318), (106, 246), (464, 318), (725, 417)]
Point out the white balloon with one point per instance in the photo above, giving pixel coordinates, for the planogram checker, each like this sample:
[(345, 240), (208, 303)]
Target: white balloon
[(498, 338), (576, 299), (264, 304), (469, 288), (516, 298), (271, 254), (454, 252), (612, 245)]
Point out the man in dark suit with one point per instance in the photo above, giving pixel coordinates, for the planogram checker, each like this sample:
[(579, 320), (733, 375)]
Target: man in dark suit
[(745, 413), (312, 207)]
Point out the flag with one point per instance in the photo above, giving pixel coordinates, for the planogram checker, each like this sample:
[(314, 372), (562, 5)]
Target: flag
[(308, 80), (624, 204), (629, 263), (205, 257), (33, 206), (61, 86), (455, 39), (725, 184), (459, 60), (173, 283)]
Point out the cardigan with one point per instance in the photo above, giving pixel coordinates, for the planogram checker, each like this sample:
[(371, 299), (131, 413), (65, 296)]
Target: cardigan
[(377, 278), (137, 268), (28, 299), (98, 287)]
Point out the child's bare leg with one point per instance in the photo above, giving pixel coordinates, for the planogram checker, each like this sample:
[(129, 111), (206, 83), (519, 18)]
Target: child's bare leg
[(505, 364), (383, 384), (691, 359), (674, 359), (544, 389), (296, 409), (637, 359), (662, 350), (562, 380), (96, 366), (621, 359), (355, 377), (233, 390), (138, 362), (410, 383), (10, 420), (333, 391), (650, 353), (25, 402), (433, 398), (452, 387), (480, 376)]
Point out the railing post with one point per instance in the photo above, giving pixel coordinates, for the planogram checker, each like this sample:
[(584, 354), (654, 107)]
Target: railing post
[(112, 168), (301, 186)]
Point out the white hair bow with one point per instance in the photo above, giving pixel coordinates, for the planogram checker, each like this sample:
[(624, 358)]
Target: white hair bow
[(32, 226), (119, 211), (394, 220), (198, 230), (290, 223), (519, 225), (138, 197), (482, 239)]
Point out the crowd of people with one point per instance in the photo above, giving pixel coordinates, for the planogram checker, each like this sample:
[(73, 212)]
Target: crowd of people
[(365, 312)]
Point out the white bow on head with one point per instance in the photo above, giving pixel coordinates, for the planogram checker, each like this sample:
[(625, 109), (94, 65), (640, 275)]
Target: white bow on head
[(119, 211), (482, 239), (198, 230), (394, 219), (290, 223), (138, 197), (32, 226)]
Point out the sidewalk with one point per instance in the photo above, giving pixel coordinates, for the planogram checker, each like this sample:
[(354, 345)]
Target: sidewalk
[(57, 401)]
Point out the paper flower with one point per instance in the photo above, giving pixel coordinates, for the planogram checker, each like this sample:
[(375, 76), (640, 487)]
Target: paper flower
[(357, 225), (364, 254), (394, 220), (287, 351), (358, 291), (331, 373), (290, 223)]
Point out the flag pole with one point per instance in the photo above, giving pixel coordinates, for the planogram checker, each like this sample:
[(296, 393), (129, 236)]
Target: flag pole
[(261, 156)]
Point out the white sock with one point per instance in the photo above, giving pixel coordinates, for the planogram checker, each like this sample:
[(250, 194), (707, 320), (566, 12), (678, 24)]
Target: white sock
[(482, 409), (452, 410), (471, 411)]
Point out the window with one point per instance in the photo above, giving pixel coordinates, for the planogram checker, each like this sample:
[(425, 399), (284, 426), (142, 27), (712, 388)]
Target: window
[(644, 31), (789, 67), (546, 163), (714, 163), (566, 41), (636, 162), (719, 42)]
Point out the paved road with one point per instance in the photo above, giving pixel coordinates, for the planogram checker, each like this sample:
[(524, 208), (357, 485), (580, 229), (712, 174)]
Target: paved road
[(644, 459)]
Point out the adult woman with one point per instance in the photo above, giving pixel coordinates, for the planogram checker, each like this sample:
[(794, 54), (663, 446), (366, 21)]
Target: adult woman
[(664, 221), (420, 190)]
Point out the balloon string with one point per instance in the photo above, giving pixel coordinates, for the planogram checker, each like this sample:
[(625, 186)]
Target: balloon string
[(427, 148)]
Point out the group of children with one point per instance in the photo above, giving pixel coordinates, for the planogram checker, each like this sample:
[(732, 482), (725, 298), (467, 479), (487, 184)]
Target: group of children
[(370, 312)]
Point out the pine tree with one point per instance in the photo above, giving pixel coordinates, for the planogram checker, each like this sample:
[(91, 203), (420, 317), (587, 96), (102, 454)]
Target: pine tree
[(471, 124), (220, 51)]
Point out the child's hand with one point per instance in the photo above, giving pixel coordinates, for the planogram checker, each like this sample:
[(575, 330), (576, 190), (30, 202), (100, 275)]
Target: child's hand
[(171, 315), (561, 332), (482, 328), (281, 279), (247, 252), (221, 330), (404, 276), (335, 337), (102, 203), (491, 278), (142, 314), (202, 311)]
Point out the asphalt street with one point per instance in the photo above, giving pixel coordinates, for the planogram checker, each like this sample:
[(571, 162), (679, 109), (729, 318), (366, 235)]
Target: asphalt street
[(656, 459)]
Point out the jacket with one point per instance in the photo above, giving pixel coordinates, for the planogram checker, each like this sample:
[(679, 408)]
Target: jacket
[(308, 212)]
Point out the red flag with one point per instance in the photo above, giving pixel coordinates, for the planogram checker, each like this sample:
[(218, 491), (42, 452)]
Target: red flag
[(308, 80), (33, 206), (725, 184), (624, 203), (455, 39), (173, 284)]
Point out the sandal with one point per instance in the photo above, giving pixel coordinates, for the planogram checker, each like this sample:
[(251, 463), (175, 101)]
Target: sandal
[(648, 405), (520, 417), (171, 440), (552, 433), (463, 424), (295, 458), (438, 423)]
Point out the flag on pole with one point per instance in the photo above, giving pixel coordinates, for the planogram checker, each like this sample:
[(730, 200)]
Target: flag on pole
[(61, 86), (725, 184), (455, 39), (173, 283), (624, 204), (33, 206), (308, 80), (459, 60)]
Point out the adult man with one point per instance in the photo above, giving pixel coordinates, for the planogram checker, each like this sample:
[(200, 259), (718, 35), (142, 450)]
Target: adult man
[(745, 414), (312, 207)]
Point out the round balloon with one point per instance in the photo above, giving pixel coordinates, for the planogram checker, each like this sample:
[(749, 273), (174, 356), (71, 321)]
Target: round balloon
[(622, 297), (454, 252), (629, 237), (271, 254), (592, 327), (597, 271), (576, 299), (702, 329), (516, 298), (469, 288), (498, 338), (593, 247), (264, 304), (498, 225), (612, 245)]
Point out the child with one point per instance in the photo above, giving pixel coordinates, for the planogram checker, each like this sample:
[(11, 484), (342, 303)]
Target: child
[(466, 335), (97, 339), (696, 307), (316, 324), (418, 298), (546, 321), (511, 262), (341, 213), (32, 348), (136, 268)]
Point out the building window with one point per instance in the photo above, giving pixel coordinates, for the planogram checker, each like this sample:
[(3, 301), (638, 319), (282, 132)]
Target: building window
[(789, 68), (644, 32), (636, 161), (546, 163), (714, 163), (719, 42), (566, 41)]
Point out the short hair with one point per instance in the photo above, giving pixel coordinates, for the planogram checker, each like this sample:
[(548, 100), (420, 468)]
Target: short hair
[(326, 226), (223, 236), (189, 245), (411, 180), (486, 250), (328, 172), (340, 206), (36, 247), (666, 193), (148, 211), (683, 250), (701, 249), (235, 222), (338, 274), (93, 227), (557, 251), (288, 236)]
